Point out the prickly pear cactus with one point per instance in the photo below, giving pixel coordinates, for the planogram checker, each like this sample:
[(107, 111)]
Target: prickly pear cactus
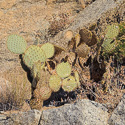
[(77, 39), (69, 84), (112, 31), (49, 49), (108, 45), (122, 29), (63, 69), (86, 35), (77, 78), (82, 50), (55, 83), (42, 93), (16, 44), (32, 55), (36, 70)]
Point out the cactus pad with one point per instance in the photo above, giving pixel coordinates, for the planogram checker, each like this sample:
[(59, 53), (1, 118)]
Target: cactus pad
[(63, 69), (32, 55), (86, 35), (49, 49), (42, 93), (82, 50), (16, 44), (93, 40), (112, 31), (69, 84), (36, 70), (77, 39), (108, 45), (77, 78), (55, 83)]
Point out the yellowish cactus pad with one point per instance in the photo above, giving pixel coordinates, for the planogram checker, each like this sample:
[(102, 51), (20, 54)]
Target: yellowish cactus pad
[(69, 84), (49, 49), (112, 31), (55, 83), (77, 78), (63, 69), (16, 44), (36, 69), (32, 55)]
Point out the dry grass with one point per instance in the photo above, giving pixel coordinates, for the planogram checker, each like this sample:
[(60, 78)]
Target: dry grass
[(16, 89)]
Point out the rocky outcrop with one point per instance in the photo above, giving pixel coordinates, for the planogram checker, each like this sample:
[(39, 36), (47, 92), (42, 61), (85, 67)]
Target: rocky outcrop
[(31, 117), (118, 115), (84, 112)]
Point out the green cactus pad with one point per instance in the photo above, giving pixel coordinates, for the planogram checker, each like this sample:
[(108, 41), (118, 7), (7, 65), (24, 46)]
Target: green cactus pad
[(16, 44), (49, 49), (112, 31), (55, 83), (42, 93), (108, 45), (32, 55), (69, 84), (63, 69), (77, 78)]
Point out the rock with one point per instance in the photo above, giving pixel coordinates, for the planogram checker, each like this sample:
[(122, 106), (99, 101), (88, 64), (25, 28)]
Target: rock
[(118, 115), (31, 117), (83, 112)]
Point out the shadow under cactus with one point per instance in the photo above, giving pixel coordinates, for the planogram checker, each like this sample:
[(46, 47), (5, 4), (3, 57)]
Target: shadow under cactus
[(26, 69), (60, 98)]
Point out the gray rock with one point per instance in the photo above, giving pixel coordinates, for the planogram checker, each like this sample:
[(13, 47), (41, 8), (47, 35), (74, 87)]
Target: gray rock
[(84, 112), (31, 117), (118, 115)]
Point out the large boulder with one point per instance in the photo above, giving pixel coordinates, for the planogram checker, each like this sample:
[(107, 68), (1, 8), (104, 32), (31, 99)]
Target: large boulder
[(118, 115), (84, 112)]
